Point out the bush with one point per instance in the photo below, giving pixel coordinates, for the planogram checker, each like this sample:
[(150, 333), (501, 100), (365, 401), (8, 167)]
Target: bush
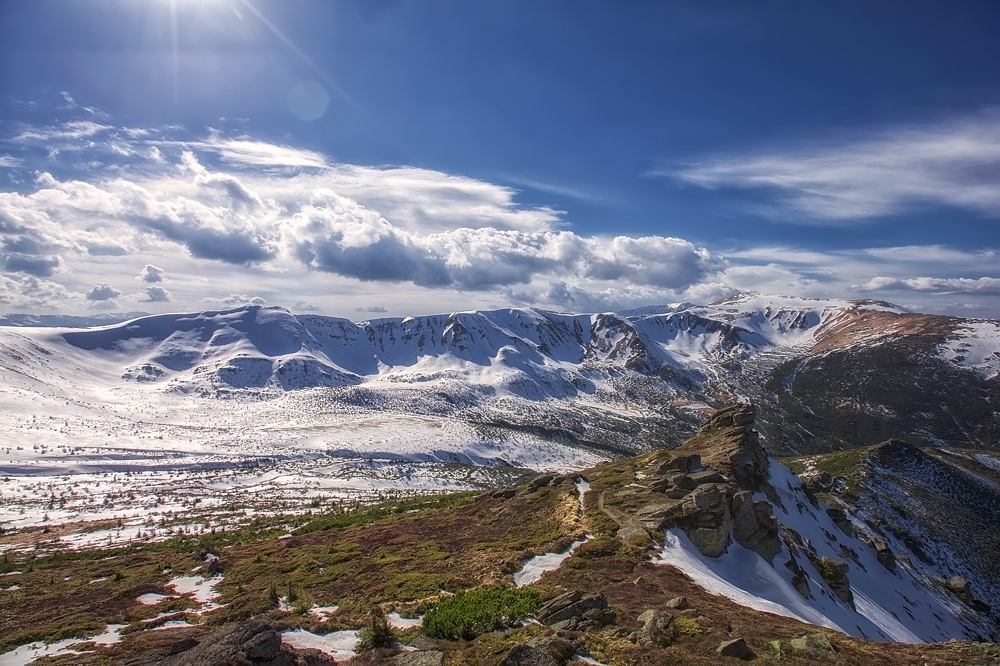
[(469, 614), (377, 633)]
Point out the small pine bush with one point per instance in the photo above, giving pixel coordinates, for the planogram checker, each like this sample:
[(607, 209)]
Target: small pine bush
[(470, 614)]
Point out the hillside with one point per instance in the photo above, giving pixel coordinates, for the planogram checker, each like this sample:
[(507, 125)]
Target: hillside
[(668, 558)]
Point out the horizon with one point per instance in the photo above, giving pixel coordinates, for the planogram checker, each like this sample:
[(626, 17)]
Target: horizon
[(362, 159)]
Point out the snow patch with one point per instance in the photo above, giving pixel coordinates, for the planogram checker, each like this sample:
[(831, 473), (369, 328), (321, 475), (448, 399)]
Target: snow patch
[(533, 567), (339, 644)]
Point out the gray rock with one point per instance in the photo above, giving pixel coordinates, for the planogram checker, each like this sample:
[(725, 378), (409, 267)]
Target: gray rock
[(834, 572), (657, 628), (737, 648), (576, 611), (525, 655), (634, 536), (841, 520), (679, 603), (244, 643), (885, 556), (504, 493), (706, 519), (685, 464), (685, 481), (708, 476), (754, 526), (418, 658), (676, 493), (816, 644)]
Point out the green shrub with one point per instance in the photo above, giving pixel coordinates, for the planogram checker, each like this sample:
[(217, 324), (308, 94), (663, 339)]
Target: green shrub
[(376, 634), (469, 614)]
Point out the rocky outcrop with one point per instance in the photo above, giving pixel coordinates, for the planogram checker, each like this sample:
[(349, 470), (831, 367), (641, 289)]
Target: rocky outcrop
[(248, 643), (754, 525), (834, 572), (706, 518), (576, 611)]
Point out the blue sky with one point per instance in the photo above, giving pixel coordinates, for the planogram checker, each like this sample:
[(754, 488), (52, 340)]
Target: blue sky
[(362, 158)]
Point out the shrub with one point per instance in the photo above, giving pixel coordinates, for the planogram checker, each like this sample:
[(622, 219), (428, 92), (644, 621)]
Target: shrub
[(469, 614), (377, 633)]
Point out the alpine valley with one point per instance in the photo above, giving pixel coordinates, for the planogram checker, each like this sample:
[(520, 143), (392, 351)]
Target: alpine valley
[(770, 478)]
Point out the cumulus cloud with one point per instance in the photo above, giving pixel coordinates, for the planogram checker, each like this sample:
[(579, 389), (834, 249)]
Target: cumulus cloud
[(156, 295), (376, 309), (950, 163), (103, 291), (238, 299), (26, 292), (151, 273)]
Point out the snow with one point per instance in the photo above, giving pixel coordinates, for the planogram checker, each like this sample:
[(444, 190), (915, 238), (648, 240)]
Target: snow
[(26, 654), (890, 606), (323, 613), (533, 567), (977, 345), (396, 621), (339, 644), (151, 598)]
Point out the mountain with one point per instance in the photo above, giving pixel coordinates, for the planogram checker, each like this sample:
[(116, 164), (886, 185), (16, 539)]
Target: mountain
[(825, 374), (683, 556)]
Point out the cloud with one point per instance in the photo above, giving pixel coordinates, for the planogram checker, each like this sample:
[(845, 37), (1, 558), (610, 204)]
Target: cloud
[(984, 286), (24, 292), (238, 299), (8, 162), (74, 129), (150, 274), (376, 309), (103, 291), (109, 304), (156, 295), (898, 169), (247, 152)]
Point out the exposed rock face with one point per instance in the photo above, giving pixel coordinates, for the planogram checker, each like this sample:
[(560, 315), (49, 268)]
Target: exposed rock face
[(754, 525), (736, 648), (834, 572), (575, 611), (253, 643), (885, 556), (526, 655), (707, 520)]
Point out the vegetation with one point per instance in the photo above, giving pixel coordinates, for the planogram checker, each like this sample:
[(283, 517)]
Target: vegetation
[(470, 614)]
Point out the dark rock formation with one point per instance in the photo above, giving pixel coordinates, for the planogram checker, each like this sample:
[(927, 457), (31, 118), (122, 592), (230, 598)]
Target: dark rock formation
[(657, 629), (246, 643), (737, 648), (575, 611), (754, 526)]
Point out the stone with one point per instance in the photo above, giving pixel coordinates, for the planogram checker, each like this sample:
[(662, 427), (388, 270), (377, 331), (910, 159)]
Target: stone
[(685, 481), (418, 658), (576, 611), (677, 493), (182, 645), (841, 520), (754, 526), (657, 628), (708, 476), (737, 648), (241, 643), (634, 536), (504, 493), (540, 482), (834, 572), (800, 581), (960, 587), (679, 603), (706, 519), (557, 649), (684, 464), (816, 644), (882, 552), (525, 655)]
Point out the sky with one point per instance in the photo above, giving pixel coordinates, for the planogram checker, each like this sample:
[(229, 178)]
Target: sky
[(371, 158)]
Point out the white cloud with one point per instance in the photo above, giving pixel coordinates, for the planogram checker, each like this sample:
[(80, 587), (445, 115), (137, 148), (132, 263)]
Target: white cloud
[(985, 286), (150, 273), (103, 291), (237, 299), (8, 162), (248, 152), (156, 295), (898, 169)]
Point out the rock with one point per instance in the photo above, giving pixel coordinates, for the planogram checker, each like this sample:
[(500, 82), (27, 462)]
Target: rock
[(800, 581), (885, 556), (214, 567), (736, 648), (657, 628), (676, 493), (754, 526), (182, 645), (418, 658), (960, 587), (815, 643), (634, 536), (708, 476), (706, 519), (574, 611), (834, 572), (684, 464), (525, 655), (685, 481), (734, 416), (654, 516), (679, 603), (557, 649), (540, 482), (841, 520), (243, 643), (504, 493)]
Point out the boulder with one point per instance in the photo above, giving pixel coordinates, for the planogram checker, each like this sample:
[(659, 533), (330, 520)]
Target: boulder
[(885, 556), (575, 611), (834, 572), (800, 581), (633, 536), (708, 476), (737, 648), (754, 526), (254, 643), (526, 655), (683, 464), (679, 603), (841, 520), (706, 519), (816, 644), (657, 628)]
